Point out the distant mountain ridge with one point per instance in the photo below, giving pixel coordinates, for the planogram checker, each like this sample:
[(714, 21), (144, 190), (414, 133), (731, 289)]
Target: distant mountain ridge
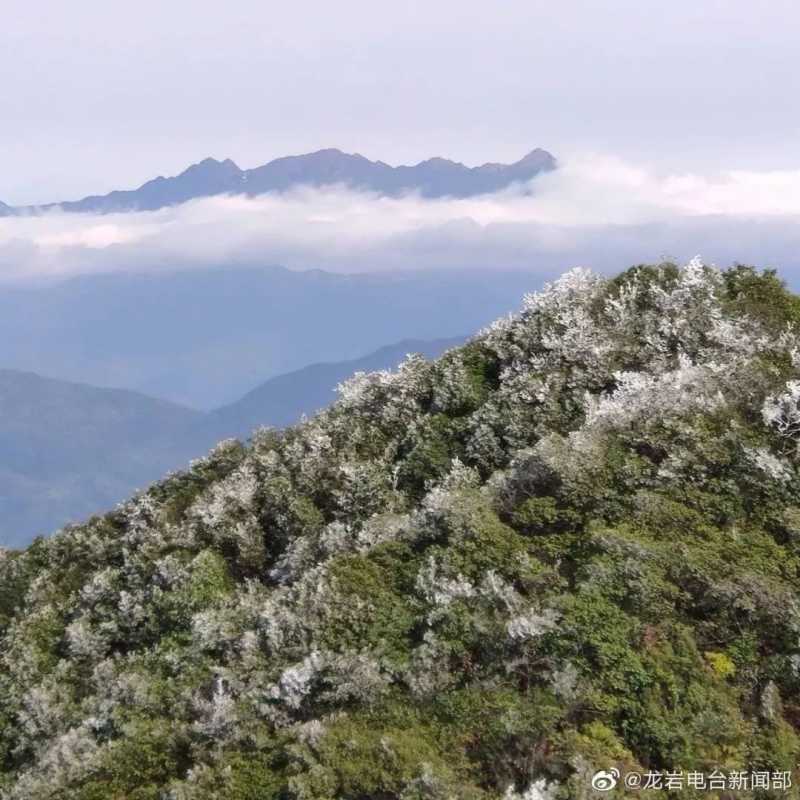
[(435, 177), (69, 450), (282, 400), (204, 337)]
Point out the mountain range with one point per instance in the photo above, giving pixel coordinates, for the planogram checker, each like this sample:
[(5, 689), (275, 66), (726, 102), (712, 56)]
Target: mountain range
[(77, 442), (70, 450), (204, 337), (435, 177)]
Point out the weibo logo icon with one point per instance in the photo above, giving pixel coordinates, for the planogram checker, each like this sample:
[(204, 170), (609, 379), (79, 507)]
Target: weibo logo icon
[(605, 780)]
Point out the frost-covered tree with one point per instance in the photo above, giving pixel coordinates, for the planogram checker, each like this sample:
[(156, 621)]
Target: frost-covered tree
[(572, 544)]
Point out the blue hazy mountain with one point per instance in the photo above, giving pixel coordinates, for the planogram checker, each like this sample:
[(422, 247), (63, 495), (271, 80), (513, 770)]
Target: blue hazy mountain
[(282, 400), (435, 177), (70, 450), (202, 338)]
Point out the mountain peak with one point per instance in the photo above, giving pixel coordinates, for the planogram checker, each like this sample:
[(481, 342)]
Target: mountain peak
[(434, 177), (332, 152), (438, 162), (211, 166), (537, 155), (531, 164)]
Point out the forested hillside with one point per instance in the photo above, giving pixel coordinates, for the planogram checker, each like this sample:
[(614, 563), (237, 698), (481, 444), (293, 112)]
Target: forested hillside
[(571, 544)]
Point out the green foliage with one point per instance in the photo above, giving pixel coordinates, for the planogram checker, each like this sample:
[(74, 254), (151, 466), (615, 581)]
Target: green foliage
[(761, 295), (249, 777), (210, 580), (572, 544), (138, 766), (376, 755), (477, 541), (367, 611), (430, 456)]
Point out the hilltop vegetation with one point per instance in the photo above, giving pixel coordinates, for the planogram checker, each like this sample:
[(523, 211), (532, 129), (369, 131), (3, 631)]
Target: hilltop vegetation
[(570, 544)]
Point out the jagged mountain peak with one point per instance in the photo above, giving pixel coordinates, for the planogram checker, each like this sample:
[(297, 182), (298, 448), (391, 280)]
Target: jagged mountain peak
[(212, 165), (536, 156), (434, 177)]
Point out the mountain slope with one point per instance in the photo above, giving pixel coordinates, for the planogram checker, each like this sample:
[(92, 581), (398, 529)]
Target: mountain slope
[(570, 545), (436, 177), (282, 400), (68, 451)]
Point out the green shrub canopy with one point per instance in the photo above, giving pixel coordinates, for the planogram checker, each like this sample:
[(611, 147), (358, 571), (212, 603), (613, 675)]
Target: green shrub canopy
[(572, 544)]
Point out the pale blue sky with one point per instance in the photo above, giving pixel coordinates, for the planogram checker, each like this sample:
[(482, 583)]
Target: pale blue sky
[(99, 95)]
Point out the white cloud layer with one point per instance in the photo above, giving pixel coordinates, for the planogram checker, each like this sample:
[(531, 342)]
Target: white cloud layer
[(595, 211)]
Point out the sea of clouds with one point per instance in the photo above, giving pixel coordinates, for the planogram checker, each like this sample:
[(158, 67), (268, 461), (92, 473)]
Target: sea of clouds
[(593, 211)]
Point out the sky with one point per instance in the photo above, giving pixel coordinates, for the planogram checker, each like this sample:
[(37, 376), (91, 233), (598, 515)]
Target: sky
[(100, 95)]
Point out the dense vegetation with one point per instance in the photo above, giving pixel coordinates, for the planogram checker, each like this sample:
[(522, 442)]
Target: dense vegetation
[(571, 544)]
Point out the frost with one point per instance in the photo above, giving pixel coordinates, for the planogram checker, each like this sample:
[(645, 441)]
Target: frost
[(310, 732), (641, 395), (539, 790), (565, 681), (100, 587), (217, 714), (353, 677), (439, 590), (296, 681), (776, 468), (570, 290), (782, 411), (84, 641), (232, 494), (562, 310), (531, 625), (65, 759)]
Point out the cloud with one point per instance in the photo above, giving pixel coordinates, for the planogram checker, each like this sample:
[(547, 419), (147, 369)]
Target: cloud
[(596, 211)]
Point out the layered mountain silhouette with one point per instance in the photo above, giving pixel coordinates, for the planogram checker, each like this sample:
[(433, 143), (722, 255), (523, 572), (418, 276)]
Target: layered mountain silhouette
[(435, 177), (282, 400), (69, 450), (204, 337)]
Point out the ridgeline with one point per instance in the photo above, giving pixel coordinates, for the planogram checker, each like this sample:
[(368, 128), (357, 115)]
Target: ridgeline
[(570, 545)]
